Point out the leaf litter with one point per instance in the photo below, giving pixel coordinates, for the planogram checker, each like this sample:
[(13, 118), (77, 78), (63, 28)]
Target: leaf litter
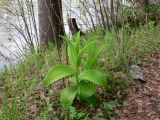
[(143, 100)]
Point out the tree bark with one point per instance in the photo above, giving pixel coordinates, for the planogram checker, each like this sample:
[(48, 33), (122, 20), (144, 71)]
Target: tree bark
[(112, 12), (50, 21)]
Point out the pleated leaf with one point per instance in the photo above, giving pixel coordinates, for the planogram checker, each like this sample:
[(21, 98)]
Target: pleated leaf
[(71, 50), (72, 54), (86, 89), (93, 57), (83, 50), (78, 40), (94, 76), (67, 96), (57, 73)]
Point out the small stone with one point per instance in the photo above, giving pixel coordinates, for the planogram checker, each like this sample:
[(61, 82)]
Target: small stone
[(136, 73), (149, 103), (99, 110), (156, 119), (149, 114), (125, 111), (152, 117), (100, 91)]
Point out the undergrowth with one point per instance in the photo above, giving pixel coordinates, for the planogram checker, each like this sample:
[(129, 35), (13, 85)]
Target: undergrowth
[(24, 96)]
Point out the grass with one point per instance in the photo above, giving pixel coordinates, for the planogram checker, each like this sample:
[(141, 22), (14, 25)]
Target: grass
[(23, 84), (24, 96), (129, 45)]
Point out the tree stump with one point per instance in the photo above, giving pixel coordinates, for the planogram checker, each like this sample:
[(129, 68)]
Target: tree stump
[(73, 26)]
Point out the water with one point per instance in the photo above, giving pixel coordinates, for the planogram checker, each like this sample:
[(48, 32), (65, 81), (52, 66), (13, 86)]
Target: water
[(10, 37), (7, 46)]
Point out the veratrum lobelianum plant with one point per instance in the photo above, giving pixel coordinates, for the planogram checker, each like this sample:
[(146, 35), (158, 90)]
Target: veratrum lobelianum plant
[(82, 72)]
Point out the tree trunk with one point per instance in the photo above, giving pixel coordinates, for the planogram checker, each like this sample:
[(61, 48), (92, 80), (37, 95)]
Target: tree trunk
[(112, 12), (50, 21)]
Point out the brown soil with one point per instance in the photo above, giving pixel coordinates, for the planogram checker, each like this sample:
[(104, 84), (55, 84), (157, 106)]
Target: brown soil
[(143, 100)]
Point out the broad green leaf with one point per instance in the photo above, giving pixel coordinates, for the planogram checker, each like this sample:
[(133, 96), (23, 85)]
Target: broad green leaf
[(93, 58), (93, 49), (86, 89), (94, 76), (73, 80), (67, 96), (85, 48), (71, 49), (72, 54), (78, 42), (57, 73), (91, 100)]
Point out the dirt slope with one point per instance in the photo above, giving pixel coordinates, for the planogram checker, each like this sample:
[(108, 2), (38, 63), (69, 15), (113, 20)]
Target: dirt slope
[(143, 101)]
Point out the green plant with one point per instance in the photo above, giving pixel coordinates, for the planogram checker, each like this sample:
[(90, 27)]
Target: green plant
[(83, 75), (109, 107), (98, 116), (72, 113)]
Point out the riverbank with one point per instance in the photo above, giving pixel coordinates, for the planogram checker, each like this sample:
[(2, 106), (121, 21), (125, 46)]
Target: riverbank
[(143, 100), (12, 42), (23, 94)]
